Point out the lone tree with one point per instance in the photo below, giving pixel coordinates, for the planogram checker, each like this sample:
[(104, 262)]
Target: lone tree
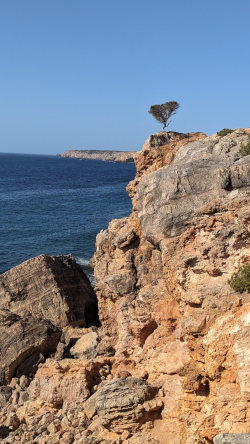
[(163, 112)]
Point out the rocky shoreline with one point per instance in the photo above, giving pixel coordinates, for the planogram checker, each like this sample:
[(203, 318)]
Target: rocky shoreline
[(164, 357), (104, 155)]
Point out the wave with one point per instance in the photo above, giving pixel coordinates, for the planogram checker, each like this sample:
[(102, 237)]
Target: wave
[(82, 261)]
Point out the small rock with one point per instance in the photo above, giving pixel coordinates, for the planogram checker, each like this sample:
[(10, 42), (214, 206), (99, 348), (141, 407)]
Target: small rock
[(24, 396), (15, 397), (14, 382), (24, 382), (10, 409), (12, 421), (67, 438), (125, 435), (53, 428), (65, 424), (90, 406)]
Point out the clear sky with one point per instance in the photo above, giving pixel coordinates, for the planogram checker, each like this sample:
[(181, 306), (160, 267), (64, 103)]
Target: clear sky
[(83, 73)]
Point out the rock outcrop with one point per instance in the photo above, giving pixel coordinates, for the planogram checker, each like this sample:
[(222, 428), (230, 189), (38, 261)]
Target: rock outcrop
[(37, 299), (24, 343), (164, 301), (48, 287), (124, 404), (105, 155), (170, 362)]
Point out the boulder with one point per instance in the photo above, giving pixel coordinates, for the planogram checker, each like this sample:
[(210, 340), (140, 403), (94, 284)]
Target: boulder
[(37, 299), (120, 403), (48, 287), (24, 343)]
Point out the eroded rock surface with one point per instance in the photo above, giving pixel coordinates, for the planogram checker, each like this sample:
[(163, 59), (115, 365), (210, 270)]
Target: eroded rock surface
[(242, 438), (47, 287), (24, 343), (123, 404), (162, 283), (37, 299), (170, 362)]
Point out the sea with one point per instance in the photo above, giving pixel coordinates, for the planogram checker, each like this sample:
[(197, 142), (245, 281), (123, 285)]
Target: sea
[(53, 205)]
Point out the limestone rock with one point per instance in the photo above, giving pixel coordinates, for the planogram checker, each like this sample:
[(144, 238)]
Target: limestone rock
[(65, 382), (58, 382), (159, 150), (179, 324), (37, 299), (5, 394), (227, 438), (51, 288), (22, 342), (201, 172), (86, 345), (170, 362), (120, 403)]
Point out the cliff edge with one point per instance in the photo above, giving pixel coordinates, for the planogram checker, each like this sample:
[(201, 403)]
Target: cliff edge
[(170, 362), (162, 282)]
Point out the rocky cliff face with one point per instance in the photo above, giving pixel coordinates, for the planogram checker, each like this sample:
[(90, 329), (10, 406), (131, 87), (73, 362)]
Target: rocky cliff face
[(164, 301), (106, 156), (170, 363)]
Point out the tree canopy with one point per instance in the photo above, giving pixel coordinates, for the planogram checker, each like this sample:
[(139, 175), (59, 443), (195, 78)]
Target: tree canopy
[(163, 112)]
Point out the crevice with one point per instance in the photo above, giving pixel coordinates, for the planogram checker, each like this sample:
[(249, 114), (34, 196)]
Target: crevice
[(66, 351), (91, 315), (228, 184), (147, 330), (4, 432), (204, 389), (195, 305), (134, 244), (191, 262)]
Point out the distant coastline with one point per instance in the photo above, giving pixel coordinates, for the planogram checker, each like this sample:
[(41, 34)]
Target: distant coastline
[(105, 155)]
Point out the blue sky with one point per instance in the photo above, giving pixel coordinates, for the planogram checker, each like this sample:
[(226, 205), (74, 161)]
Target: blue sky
[(83, 73)]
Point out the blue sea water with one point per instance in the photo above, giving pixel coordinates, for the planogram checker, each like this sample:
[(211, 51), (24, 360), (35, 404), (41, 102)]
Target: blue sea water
[(57, 206)]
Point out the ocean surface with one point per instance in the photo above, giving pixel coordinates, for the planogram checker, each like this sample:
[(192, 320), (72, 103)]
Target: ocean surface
[(57, 206)]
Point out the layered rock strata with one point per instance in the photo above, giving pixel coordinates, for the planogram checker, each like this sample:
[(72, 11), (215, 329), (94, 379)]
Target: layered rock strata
[(37, 299), (48, 287)]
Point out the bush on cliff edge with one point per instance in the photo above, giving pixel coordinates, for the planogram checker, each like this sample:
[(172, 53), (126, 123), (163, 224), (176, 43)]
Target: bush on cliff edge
[(224, 132), (240, 280)]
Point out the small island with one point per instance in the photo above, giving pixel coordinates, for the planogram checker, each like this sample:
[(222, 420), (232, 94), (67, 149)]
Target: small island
[(105, 155)]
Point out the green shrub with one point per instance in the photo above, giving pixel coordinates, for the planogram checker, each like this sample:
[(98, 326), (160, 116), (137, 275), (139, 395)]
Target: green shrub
[(224, 132), (245, 149), (240, 280)]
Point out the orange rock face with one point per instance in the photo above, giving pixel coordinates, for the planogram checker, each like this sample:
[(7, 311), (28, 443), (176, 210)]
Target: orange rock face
[(162, 282), (170, 363)]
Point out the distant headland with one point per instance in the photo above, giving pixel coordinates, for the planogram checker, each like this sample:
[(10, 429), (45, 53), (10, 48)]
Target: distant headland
[(105, 155)]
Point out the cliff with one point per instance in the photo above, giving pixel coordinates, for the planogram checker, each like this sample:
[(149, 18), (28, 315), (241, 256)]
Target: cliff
[(105, 155), (162, 283), (170, 361)]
